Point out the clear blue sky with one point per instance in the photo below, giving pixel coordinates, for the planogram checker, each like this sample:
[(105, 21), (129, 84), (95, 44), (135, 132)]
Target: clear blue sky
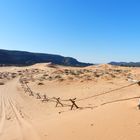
[(89, 30)]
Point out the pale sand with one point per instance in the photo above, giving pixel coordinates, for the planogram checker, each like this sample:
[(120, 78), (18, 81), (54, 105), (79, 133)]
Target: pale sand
[(23, 117)]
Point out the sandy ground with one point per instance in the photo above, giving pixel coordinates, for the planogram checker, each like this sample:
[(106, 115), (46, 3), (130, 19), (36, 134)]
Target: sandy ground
[(101, 115)]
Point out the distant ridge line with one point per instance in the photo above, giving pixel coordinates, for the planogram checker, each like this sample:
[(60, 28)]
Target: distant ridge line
[(24, 58), (126, 64)]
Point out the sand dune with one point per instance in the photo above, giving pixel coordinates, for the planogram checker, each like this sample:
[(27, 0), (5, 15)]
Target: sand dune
[(107, 98)]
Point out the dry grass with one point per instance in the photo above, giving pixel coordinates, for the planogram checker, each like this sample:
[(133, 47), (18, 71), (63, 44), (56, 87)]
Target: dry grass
[(2, 83)]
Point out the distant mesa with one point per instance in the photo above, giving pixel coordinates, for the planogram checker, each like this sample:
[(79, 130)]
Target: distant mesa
[(22, 58), (126, 64)]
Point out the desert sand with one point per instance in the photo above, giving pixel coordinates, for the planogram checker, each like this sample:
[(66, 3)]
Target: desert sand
[(107, 98)]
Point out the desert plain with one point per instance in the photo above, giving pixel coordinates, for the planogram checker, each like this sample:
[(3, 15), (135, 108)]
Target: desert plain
[(36, 103)]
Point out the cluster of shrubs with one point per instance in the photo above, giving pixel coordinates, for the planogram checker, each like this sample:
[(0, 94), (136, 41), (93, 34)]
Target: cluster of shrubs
[(76, 74)]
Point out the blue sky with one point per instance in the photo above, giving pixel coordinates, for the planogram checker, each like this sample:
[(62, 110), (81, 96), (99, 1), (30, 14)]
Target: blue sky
[(96, 31)]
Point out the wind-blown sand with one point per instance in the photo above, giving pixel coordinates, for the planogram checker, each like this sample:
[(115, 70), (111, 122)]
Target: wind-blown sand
[(102, 116)]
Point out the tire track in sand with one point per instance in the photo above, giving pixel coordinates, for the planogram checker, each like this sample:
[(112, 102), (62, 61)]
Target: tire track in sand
[(20, 128), (3, 114), (26, 129)]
